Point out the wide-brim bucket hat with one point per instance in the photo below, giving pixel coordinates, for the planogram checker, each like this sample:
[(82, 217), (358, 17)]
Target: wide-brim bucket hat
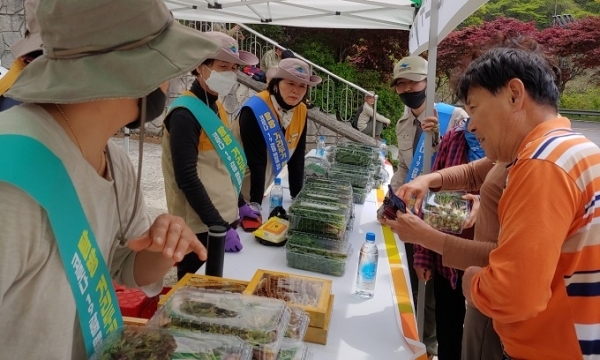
[(32, 40), (293, 69), (229, 50), (104, 49)]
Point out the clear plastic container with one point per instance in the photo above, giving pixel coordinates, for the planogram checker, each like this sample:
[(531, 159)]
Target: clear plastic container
[(136, 342), (294, 290), (360, 195), (259, 321), (328, 220), (446, 211), (355, 154), (355, 178), (315, 167), (317, 254), (299, 321), (294, 350), (328, 184)]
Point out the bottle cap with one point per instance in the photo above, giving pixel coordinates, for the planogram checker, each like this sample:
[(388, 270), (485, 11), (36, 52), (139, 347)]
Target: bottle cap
[(277, 181), (370, 237), (322, 137)]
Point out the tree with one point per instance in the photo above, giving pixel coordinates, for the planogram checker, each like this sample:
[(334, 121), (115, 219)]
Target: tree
[(456, 51), (577, 47)]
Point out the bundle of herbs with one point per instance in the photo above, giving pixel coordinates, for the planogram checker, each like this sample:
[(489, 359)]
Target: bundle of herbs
[(144, 343), (446, 211), (258, 321), (328, 220), (328, 184), (319, 255)]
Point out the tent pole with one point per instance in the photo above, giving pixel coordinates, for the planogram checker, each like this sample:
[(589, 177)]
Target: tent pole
[(428, 150)]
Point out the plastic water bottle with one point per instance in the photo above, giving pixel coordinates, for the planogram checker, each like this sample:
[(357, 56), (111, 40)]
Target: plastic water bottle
[(367, 268), (383, 150), (276, 197), (321, 146)]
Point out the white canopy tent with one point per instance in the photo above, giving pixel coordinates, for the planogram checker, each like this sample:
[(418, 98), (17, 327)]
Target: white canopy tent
[(356, 14), (428, 26)]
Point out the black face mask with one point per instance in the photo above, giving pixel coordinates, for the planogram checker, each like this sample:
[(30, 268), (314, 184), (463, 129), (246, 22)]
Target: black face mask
[(155, 106), (414, 100)]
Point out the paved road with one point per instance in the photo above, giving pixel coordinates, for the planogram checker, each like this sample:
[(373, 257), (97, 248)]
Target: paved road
[(591, 130)]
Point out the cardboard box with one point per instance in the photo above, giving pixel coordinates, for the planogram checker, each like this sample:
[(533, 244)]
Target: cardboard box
[(319, 335), (208, 283), (311, 294)]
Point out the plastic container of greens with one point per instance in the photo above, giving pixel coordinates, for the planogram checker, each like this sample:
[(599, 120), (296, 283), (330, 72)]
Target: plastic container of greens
[(360, 194), (259, 321), (325, 256), (329, 220), (299, 321), (136, 342), (355, 154), (355, 178), (294, 350), (446, 211), (315, 166), (332, 198), (341, 186)]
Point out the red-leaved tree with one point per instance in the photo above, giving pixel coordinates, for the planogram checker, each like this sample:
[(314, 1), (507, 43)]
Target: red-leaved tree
[(577, 47), (457, 49)]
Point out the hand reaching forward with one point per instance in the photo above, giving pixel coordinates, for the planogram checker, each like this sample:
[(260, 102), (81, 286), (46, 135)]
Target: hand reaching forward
[(170, 235)]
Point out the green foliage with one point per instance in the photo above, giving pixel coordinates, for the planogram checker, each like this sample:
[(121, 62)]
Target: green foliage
[(540, 11), (588, 99)]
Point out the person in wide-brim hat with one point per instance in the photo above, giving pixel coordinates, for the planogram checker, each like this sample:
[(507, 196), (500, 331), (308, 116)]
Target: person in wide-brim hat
[(105, 65), (198, 184), (284, 97), (25, 50)]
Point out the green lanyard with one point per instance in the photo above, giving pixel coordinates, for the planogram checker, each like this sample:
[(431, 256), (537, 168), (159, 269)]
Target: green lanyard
[(51, 187)]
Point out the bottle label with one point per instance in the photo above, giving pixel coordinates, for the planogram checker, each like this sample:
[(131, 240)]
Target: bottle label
[(368, 271), (276, 201)]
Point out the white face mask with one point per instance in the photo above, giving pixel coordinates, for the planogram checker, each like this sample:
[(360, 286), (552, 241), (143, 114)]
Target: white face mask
[(221, 82)]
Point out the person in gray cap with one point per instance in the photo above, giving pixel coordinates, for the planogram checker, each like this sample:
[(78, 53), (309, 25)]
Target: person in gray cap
[(410, 82), (72, 214)]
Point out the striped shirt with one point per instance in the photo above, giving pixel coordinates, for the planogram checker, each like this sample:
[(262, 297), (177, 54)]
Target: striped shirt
[(542, 287)]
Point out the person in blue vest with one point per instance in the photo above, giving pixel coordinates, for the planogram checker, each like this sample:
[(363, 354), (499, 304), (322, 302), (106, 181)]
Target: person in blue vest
[(272, 129), (25, 50), (200, 184), (410, 82), (72, 215)]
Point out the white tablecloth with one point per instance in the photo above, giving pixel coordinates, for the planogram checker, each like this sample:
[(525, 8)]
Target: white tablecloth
[(359, 329)]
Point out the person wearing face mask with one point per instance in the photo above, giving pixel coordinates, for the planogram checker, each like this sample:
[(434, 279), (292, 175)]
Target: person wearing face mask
[(279, 137), (203, 164), (410, 82), (72, 214)]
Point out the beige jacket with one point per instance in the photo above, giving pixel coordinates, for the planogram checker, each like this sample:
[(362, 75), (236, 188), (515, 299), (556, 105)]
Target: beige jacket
[(366, 115), (213, 174), (405, 132)]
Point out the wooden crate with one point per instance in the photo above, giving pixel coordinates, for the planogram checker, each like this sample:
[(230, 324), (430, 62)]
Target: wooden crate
[(317, 309), (319, 335), (206, 282), (127, 320)]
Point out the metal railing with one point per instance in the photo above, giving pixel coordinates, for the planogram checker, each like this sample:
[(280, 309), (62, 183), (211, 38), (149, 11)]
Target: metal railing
[(334, 95), (580, 115)]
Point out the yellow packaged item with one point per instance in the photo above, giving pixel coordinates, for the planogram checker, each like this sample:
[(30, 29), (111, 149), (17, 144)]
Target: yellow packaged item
[(273, 232)]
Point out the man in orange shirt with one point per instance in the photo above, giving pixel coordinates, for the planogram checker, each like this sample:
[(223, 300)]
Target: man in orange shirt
[(542, 285)]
